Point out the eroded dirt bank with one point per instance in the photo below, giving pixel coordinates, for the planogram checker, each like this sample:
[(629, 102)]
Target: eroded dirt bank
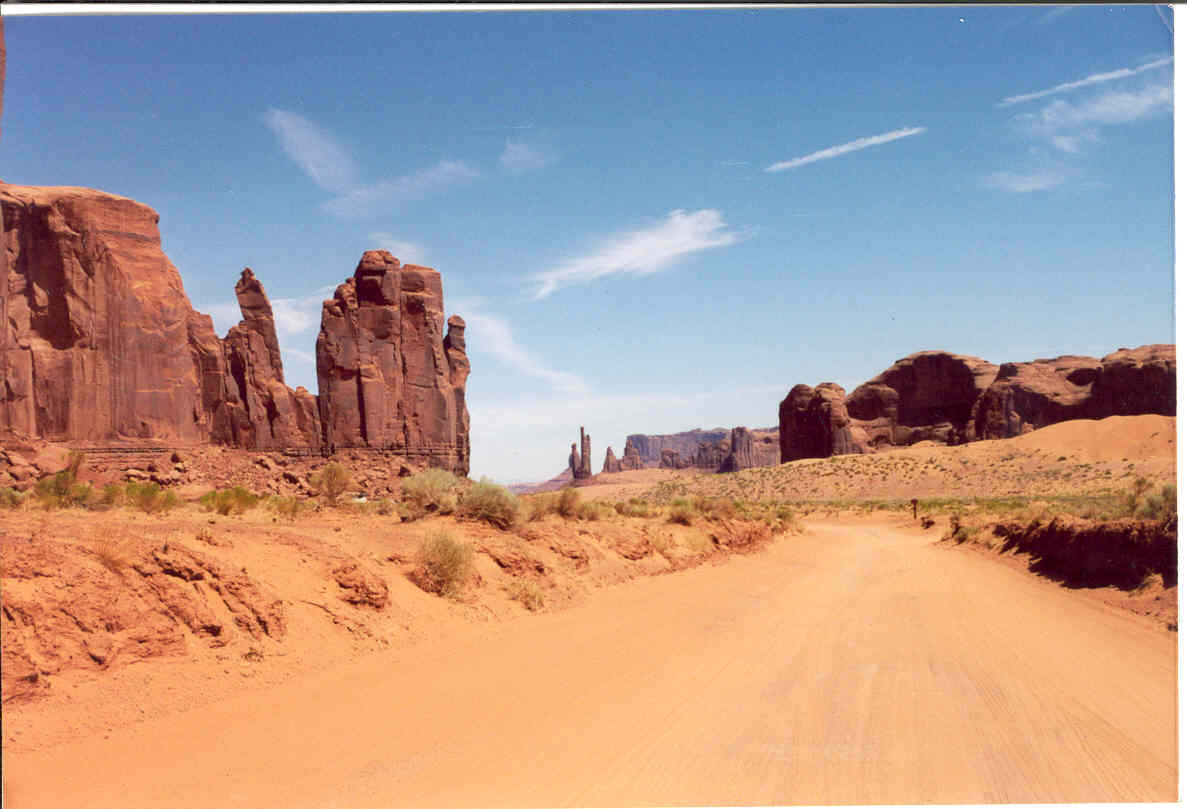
[(859, 662)]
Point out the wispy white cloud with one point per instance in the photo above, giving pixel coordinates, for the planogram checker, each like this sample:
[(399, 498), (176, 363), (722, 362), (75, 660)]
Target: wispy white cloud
[(1087, 81), (846, 148), (640, 252), (491, 334), (331, 168), (1023, 182), (1105, 109), (521, 156), (364, 199), (299, 315), (407, 252), (314, 150)]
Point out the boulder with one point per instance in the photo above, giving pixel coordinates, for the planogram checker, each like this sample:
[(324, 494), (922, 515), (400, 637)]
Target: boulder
[(388, 377)]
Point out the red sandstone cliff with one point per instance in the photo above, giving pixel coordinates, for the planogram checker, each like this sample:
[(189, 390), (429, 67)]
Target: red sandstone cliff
[(388, 377), (99, 344)]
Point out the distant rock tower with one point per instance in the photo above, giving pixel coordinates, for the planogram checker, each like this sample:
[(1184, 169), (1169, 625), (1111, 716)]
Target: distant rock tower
[(611, 464), (580, 465)]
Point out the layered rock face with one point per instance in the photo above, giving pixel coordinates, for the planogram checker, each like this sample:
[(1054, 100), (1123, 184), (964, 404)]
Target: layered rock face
[(94, 323), (387, 376), (99, 343), (944, 397), (651, 447), (741, 454), (926, 396), (630, 457)]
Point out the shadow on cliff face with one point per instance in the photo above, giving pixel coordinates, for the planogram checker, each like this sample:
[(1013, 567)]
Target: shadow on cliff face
[(1080, 553)]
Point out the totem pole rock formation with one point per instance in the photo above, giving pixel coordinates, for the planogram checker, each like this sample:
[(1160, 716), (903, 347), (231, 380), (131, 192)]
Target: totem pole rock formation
[(581, 465)]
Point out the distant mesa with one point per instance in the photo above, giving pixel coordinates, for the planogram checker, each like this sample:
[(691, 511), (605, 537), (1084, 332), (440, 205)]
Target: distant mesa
[(954, 399), (99, 344)]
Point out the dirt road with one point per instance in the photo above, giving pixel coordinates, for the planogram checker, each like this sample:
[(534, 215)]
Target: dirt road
[(856, 663)]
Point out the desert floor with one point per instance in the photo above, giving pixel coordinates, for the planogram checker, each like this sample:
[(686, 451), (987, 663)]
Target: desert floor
[(859, 661)]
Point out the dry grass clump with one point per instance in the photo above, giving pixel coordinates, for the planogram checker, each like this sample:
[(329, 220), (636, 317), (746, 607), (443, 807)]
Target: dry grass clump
[(717, 509), (433, 491), (290, 508), (235, 500), (635, 507), (489, 502), (443, 564), (330, 482), (113, 551), (526, 593), (681, 512), (150, 497), (10, 498)]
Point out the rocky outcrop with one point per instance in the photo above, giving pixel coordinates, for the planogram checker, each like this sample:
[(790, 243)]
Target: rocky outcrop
[(387, 376), (611, 464), (711, 455), (814, 423), (94, 322), (630, 457), (926, 396), (1135, 381), (581, 464), (263, 412), (671, 459), (99, 344), (1028, 395), (949, 398), (741, 454), (685, 444)]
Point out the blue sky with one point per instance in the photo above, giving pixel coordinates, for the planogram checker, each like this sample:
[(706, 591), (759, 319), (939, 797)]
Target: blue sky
[(652, 220)]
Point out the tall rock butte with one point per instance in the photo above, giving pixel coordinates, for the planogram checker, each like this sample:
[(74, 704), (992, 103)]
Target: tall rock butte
[(99, 344), (937, 396), (581, 464), (388, 377)]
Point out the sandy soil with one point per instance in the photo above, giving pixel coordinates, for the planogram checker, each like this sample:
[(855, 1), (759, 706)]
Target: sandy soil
[(859, 662)]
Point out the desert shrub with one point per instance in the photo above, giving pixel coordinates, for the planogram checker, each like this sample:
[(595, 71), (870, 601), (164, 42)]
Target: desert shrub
[(539, 506), (590, 512), (927, 522), (384, 507), (235, 500), (443, 564), (489, 502), (715, 508), (783, 519), (10, 498), (331, 482), (1133, 500), (288, 507), (149, 497), (111, 496), (433, 491), (957, 531), (61, 489), (681, 512), (526, 593), (567, 503), (1162, 506), (635, 507)]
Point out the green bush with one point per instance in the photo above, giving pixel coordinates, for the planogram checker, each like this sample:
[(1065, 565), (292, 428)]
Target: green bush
[(433, 491), (489, 502), (331, 482), (443, 564), (235, 500), (1162, 506), (590, 512), (540, 506), (112, 496), (10, 498), (150, 497), (61, 489)]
